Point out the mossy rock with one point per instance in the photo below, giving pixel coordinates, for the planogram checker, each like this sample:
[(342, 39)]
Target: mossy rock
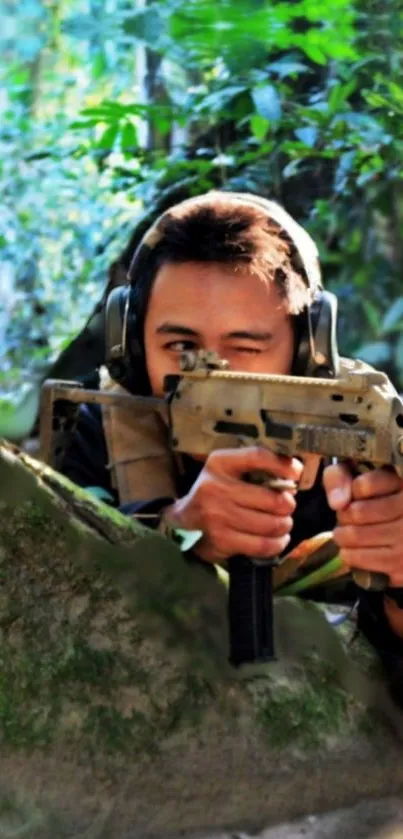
[(119, 713)]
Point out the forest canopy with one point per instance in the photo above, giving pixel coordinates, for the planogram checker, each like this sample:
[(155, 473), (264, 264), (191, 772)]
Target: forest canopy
[(110, 107)]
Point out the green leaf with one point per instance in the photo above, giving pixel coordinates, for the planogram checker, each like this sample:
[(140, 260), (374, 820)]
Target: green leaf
[(18, 412), (77, 125), (377, 353), (259, 126), (373, 316), (145, 25), (219, 99), (163, 125), (128, 137), (307, 135), (288, 67), (107, 139), (366, 177), (398, 356), (99, 65), (346, 164), (397, 91), (107, 111), (340, 93), (393, 317), (291, 169), (376, 100), (267, 102), (313, 52)]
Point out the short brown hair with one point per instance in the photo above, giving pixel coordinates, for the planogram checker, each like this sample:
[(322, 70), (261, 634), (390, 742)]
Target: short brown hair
[(216, 228)]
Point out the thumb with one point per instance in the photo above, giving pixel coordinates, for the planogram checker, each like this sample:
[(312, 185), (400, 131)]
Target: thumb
[(337, 481)]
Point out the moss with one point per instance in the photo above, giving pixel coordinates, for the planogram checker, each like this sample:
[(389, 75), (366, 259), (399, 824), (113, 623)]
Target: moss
[(186, 709), (19, 818), (35, 517), (35, 684), (104, 669), (78, 665), (306, 715), (81, 498), (88, 666), (62, 671), (369, 722), (107, 729)]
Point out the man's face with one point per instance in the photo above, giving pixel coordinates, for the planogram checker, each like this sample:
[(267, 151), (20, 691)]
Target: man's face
[(209, 306)]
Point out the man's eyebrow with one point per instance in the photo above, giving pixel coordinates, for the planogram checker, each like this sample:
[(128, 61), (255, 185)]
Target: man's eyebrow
[(176, 329), (246, 335)]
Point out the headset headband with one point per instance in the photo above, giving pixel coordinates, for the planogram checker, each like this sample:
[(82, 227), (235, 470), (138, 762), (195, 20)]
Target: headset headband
[(316, 350), (304, 246)]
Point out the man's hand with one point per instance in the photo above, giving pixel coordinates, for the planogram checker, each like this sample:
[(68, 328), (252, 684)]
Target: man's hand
[(238, 517), (369, 511)]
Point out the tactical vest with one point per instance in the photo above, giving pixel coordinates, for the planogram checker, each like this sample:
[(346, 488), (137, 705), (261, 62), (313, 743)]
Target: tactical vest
[(140, 461)]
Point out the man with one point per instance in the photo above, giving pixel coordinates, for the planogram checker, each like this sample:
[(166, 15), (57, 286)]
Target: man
[(220, 274)]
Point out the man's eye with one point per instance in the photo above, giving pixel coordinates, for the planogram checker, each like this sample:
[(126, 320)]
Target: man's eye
[(248, 350), (180, 346)]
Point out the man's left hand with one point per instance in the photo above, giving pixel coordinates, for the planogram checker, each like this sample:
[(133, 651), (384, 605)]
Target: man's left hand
[(369, 511)]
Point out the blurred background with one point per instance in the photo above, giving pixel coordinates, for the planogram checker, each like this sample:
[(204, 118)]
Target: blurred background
[(112, 110)]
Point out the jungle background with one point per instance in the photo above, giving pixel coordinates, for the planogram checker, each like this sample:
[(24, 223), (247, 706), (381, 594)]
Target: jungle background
[(111, 110)]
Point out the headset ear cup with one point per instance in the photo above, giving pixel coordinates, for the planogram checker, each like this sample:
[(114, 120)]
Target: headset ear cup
[(114, 326), (319, 323), (124, 356)]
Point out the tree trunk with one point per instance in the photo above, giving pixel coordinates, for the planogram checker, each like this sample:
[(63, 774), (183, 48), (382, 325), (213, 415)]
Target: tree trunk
[(119, 714)]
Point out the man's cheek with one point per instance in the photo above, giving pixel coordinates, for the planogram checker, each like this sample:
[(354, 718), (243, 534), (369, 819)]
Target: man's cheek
[(157, 369)]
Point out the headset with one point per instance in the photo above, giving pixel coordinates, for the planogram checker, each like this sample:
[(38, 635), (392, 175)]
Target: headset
[(315, 352)]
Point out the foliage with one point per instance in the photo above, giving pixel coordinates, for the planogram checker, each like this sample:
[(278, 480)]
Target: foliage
[(297, 100)]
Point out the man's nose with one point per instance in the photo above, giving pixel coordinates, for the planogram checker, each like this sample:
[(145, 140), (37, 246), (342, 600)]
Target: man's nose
[(213, 344)]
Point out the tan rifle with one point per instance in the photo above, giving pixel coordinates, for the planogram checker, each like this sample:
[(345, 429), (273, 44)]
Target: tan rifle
[(356, 417)]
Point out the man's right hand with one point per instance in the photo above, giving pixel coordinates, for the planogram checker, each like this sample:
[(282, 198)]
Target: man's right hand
[(237, 517)]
